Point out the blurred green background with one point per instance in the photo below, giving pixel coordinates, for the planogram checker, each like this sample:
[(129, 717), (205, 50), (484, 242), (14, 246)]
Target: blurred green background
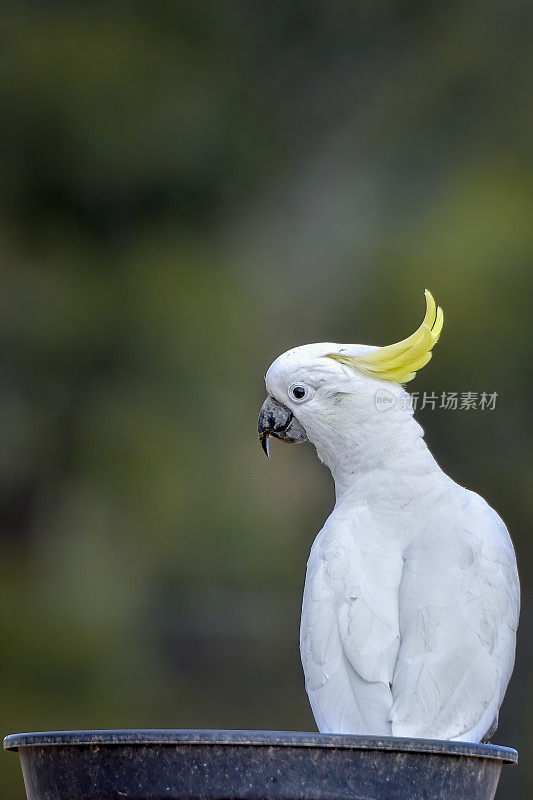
[(187, 190)]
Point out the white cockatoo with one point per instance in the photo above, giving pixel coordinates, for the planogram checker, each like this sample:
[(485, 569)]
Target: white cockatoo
[(411, 596)]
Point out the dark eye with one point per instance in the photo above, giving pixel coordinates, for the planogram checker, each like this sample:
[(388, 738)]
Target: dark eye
[(298, 392)]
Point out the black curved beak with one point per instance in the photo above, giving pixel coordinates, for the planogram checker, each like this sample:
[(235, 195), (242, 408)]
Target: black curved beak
[(263, 438), (278, 421)]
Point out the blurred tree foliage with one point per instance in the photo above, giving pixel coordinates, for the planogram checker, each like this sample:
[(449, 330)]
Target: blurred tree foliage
[(187, 190)]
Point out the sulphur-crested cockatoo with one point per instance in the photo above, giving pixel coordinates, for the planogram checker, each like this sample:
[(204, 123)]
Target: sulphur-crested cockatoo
[(411, 597)]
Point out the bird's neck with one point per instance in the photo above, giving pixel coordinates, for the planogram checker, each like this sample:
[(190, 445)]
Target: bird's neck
[(370, 460)]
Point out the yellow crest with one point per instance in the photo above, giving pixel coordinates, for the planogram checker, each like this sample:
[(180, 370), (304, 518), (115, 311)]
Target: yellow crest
[(399, 362)]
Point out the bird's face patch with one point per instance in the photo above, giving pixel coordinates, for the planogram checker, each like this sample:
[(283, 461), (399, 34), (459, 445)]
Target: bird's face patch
[(309, 390), (295, 377)]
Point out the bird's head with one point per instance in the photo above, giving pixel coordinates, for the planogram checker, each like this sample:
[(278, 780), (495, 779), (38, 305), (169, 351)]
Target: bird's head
[(332, 394)]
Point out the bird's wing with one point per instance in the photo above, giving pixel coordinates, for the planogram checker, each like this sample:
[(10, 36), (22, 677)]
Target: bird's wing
[(368, 611), (349, 633), (458, 610)]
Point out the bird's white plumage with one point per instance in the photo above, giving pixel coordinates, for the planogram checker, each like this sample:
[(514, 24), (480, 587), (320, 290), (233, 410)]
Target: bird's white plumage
[(411, 597)]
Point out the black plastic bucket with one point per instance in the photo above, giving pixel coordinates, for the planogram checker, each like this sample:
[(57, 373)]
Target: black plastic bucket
[(224, 765)]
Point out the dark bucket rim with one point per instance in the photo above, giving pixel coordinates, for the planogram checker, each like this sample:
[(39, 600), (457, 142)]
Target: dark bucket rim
[(169, 736)]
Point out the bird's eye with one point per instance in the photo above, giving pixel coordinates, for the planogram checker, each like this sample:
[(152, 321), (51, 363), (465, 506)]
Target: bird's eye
[(298, 392)]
